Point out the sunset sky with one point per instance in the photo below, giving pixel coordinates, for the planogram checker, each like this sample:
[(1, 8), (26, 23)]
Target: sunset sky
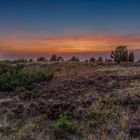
[(31, 28)]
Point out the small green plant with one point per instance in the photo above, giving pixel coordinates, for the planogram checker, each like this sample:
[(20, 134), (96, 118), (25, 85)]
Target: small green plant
[(64, 124)]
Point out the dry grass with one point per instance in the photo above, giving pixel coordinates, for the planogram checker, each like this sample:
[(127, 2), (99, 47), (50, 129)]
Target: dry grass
[(83, 101)]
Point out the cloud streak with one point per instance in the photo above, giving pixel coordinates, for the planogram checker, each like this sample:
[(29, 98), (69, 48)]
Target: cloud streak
[(65, 45)]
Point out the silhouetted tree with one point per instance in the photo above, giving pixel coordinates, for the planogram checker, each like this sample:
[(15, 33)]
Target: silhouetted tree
[(120, 54), (131, 57), (30, 60), (92, 59), (100, 59), (74, 58), (108, 60), (41, 58), (53, 58), (60, 58)]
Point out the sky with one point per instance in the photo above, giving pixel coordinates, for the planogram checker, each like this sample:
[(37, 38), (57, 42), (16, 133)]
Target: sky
[(31, 28)]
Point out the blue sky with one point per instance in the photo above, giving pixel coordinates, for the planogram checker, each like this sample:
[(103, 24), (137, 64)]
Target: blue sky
[(58, 17), (43, 27)]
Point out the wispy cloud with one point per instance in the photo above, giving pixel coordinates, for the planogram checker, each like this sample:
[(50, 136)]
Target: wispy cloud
[(65, 45)]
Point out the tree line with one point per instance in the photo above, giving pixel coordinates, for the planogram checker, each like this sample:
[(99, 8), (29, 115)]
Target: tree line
[(120, 54)]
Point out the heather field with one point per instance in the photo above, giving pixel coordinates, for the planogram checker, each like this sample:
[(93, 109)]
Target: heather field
[(69, 69), (69, 101)]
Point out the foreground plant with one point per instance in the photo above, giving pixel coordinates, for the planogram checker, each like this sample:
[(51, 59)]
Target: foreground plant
[(12, 77)]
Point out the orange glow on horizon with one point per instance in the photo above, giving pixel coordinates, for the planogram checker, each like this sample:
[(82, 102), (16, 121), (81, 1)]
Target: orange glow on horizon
[(64, 45)]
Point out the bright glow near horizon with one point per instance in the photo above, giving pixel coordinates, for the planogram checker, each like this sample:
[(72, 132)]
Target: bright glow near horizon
[(45, 46)]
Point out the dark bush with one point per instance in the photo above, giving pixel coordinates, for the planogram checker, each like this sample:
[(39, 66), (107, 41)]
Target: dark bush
[(108, 60), (131, 57), (92, 59), (100, 60), (30, 60), (53, 58), (60, 58), (74, 58), (120, 54), (42, 58)]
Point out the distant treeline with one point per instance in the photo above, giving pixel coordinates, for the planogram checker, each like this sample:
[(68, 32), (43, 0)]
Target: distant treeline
[(120, 54)]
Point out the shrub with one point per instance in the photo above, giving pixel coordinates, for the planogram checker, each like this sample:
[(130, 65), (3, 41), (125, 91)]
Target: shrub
[(53, 58), (12, 77), (100, 60), (64, 126), (120, 54), (42, 58), (74, 58), (60, 58), (92, 59), (131, 57), (30, 60), (108, 60)]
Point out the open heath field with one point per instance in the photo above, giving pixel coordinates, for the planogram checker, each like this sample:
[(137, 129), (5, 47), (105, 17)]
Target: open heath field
[(70, 101)]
